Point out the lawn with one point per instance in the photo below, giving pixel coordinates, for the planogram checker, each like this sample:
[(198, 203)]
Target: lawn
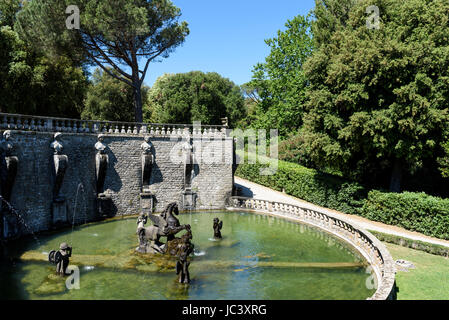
[(428, 281)]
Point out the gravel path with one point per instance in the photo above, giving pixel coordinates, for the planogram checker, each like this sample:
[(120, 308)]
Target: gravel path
[(257, 191)]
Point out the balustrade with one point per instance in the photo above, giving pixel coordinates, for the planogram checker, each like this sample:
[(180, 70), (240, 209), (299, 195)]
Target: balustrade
[(51, 124)]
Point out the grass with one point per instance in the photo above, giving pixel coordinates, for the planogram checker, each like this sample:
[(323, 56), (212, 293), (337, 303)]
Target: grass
[(428, 281)]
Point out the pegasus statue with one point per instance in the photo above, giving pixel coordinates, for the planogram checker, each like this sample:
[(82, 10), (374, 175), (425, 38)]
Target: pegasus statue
[(165, 225)]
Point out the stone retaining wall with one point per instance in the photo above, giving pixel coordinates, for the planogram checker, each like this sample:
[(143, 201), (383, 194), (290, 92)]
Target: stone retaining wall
[(32, 192)]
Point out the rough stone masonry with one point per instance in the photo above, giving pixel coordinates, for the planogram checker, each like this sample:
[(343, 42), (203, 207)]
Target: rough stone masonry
[(32, 192)]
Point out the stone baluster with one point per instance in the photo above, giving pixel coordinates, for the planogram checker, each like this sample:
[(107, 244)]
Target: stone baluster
[(86, 126), (26, 123), (19, 123), (4, 122), (10, 123), (48, 125), (39, 125)]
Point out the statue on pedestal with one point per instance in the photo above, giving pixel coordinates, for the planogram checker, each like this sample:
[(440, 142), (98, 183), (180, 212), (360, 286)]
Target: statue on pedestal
[(165, 225), (182, 265), (61, 258), (147, 163)]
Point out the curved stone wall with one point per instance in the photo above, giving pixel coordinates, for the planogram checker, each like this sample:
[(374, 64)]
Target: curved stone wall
[(371, 248)]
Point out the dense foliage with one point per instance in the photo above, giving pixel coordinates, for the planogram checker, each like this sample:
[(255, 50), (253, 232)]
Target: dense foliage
[(378, 98), (30, 82), (194, 96), (279, 82), (308, 184), (115, 34), (413, 211), (110, 99)]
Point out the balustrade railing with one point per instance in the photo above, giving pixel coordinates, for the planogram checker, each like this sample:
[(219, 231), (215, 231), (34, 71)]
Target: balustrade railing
[(10, 121), (371, 248)]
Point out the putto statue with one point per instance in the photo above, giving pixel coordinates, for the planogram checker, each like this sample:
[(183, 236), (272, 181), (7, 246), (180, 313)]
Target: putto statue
[(165, 225), (7, 146), (217, 228), (60, 165), (61, 258), (182, 265)]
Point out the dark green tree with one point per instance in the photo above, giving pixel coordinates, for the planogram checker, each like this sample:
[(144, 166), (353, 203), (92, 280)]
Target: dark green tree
[(378, 98), (123, 35), (110, 99), (280, 80), (444, 161), (195, 96)]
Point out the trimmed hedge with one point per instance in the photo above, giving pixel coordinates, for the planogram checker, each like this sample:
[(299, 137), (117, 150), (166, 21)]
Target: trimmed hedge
[(427, 247), (308, 184), (413, 211)]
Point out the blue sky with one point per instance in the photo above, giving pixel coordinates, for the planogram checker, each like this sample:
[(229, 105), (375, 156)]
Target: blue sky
[(227, 36)]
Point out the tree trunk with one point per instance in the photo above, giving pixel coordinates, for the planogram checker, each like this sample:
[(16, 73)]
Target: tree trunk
[(396, 176), (138, 103)]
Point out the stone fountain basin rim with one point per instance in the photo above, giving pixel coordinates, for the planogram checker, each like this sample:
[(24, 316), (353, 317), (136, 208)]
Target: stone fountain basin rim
[(385, 274)]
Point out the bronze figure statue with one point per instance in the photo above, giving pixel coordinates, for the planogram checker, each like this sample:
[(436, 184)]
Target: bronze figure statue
[(165, 225), (217, 228), (182, 265), (61, 258)]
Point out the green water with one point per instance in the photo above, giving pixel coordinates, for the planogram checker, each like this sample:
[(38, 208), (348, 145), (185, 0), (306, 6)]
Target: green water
[(247, 239)]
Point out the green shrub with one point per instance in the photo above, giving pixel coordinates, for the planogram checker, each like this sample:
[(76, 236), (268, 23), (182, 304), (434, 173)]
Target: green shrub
[(413, 211), (428, 247)]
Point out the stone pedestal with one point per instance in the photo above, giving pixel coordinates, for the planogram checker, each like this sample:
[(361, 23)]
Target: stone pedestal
[(146, 202), (59, 212), (188, 200), (151, 247), (104, 205), (10, 226)]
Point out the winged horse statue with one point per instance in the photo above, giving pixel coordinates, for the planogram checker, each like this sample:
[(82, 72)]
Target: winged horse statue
[(165, 225)]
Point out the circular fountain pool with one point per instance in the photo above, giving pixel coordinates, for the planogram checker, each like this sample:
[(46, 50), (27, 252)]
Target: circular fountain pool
[(259, 257)]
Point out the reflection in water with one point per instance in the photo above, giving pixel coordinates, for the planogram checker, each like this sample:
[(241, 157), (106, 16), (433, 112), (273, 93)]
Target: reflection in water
[(259, 257)]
